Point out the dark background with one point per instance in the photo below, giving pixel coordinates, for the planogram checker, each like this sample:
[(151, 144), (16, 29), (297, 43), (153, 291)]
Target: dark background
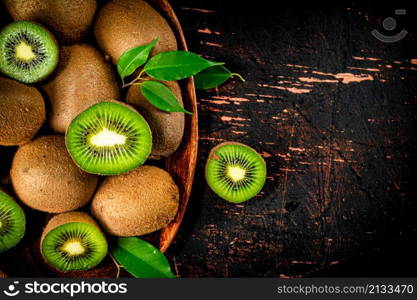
[(333, 112)]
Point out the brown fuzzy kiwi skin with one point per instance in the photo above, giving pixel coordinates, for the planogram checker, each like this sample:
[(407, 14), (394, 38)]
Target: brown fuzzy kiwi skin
[(22, 112), (45, 178), (83, 78), (137, 24), (167, 128), (68, 217), (69, 19), (136, 203)]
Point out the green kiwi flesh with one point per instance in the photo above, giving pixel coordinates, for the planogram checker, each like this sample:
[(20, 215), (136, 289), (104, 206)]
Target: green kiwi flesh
[(28, 52), (109, 138), (76, 244), (235, 172), (12, 222)]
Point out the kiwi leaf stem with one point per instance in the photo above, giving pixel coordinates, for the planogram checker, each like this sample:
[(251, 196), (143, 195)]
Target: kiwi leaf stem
[(239, 76), (118, 266), (139, 77)]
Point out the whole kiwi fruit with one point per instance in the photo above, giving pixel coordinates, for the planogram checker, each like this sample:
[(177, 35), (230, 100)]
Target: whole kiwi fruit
[(83, 78), (69, 19), (136, 203), (22, 112), (45, 178), (124, 24), (167, 128), (73, 241)]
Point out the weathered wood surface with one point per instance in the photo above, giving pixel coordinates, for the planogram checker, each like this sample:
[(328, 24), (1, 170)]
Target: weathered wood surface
[(333, 112)]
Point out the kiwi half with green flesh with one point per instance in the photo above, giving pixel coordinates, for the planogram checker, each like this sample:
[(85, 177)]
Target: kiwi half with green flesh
[(235, 172), (69, 19), (28, 52), (73, 241), (45, 178), (136, 203), (137, 24), (109, 138), (83, 78), (22, 112), (167, 128), (12, 222)]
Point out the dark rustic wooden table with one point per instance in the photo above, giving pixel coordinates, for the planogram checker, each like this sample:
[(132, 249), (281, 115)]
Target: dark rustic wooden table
[(333, 112)]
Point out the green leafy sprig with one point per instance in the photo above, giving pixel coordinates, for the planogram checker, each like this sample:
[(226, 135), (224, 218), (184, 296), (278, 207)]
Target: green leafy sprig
[(141, 259), (168, 66)]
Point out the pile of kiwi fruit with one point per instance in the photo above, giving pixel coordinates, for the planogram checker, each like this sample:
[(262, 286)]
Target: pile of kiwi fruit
[(83, 152)]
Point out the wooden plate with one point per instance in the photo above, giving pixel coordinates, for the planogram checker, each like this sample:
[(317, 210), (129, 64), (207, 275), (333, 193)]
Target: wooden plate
[(25, 260)]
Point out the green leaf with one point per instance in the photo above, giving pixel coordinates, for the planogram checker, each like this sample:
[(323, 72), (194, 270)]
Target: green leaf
[(176, 65), (160, 96), (141, 259), (213, 76), (133, 58)]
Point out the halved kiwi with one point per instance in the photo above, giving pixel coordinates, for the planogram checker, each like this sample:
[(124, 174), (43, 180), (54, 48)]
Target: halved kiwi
[(73, 241), (12, 222), (235, 172), (28, 52), (109, 138)]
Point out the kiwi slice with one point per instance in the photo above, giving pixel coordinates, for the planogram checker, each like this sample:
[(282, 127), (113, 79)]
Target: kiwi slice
[(12, 222), (73, 241), (235, 172), (109, 138), (28, 52)]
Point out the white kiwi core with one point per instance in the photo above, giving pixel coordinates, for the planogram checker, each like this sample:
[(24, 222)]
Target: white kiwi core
[(236, 173), (24, 52), (73, 247), (108, 138)]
